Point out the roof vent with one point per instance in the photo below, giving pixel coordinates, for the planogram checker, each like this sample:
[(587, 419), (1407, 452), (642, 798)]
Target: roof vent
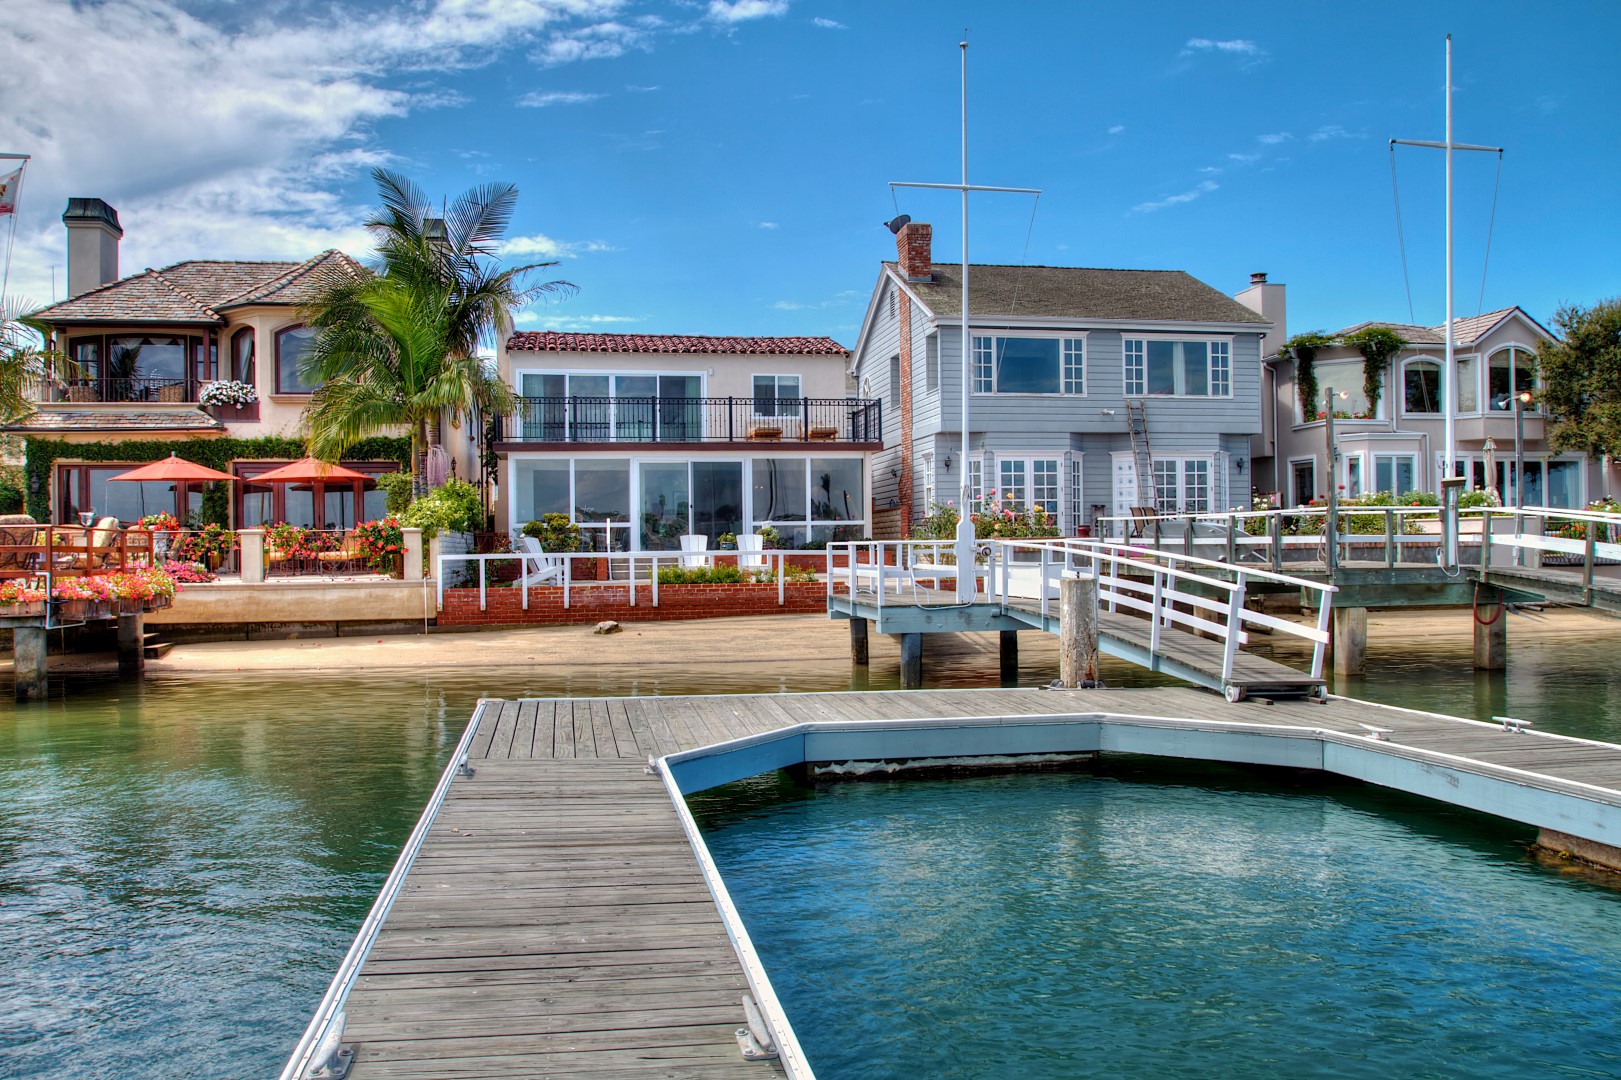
[(1258, 278)]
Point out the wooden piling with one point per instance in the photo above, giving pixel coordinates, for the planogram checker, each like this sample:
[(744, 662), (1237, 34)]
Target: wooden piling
[(860, 652), (1490, 619), (911, 661), (1078, 631), (28, 653), (1010, 657), (1350, 640)]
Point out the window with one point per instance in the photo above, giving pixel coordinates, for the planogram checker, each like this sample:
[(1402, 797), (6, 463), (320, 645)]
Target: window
[(777, 395), (1303, 479), (243, 368), (1468, 385), (292, 347), (1509, 372), (562, 407), (895, 381), (1353, 476), (1077, 507), (205, 360), (976, 479), (1343, 377), (1395, 473), (1564, 485), (1182, 485), (1162, 366), (931, 362), (1421, 387), (1029, 365), (1028, 482), (1012, 485)]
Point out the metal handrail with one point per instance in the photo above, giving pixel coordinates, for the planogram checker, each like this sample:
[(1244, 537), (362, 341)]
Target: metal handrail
[(578, 419), (322, 1039)]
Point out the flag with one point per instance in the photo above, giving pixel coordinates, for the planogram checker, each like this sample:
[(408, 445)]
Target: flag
[(10, 183)]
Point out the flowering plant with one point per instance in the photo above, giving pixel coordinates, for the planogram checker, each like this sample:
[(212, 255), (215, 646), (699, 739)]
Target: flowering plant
[(83, 588), (297, 542), (211, 543), (380, 542), (1009, 520), (228, 392), (20, 592), (160, 522), (139, 585), (189, 573)]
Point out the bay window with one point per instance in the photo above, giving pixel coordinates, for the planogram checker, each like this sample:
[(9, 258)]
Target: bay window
[(1029, 365), (1510, 371), (292, 349), (1166, 367), (1342, 377)]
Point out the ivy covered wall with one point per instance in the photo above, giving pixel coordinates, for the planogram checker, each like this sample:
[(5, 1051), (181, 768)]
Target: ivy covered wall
[(40, 455)]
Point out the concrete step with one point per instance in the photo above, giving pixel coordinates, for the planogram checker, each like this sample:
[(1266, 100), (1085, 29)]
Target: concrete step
[(156, 650)]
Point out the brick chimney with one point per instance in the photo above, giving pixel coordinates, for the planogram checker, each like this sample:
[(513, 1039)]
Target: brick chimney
[(913, 251), (93, 235)]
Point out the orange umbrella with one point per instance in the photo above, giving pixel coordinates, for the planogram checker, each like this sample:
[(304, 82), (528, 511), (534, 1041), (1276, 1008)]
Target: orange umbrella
[(308, 470), (173, 468)]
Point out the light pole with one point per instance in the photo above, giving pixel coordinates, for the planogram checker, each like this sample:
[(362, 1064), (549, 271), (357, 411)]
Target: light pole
[(1522, 399), (1331, 556)]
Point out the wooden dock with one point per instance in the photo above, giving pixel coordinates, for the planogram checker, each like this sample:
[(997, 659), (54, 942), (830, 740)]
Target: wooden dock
[(557, 923)]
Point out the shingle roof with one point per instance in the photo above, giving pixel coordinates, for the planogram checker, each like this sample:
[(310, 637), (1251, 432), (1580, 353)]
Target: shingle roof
[(54, 421), (1464, 331), (1074, 292), (198, 290), (552, 341)]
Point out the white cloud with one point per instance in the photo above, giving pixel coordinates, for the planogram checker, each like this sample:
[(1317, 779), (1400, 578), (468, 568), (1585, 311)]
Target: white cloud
[(829, 24), (540, 99), (1274, 139), (1244, 159), (743, 10), (600, 41), (838, 299), (767, 225), (234, 141), (552, 321), (1210, 170), (1202, 188), (1331, 131), (539, 245), (1234, 47), (642, 89), (1115, 129)]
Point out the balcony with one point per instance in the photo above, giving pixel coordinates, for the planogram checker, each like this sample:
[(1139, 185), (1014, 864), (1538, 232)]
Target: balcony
[(145, 389), (666, 421)]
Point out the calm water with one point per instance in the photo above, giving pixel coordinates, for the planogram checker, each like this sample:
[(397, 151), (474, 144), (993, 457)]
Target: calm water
[(1164, 922), (183, 862)]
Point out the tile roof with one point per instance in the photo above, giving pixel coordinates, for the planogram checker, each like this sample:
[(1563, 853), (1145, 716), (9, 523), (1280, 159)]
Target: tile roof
[(1464, 331), (50, 420), (552, 341), (198, 291), (1079, 293)]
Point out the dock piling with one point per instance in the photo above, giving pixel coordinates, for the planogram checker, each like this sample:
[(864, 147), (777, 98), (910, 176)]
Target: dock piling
[(28, 653), (1078, 631), (859, 650), (131, 644), (911, 661), (1010, 657), (1491, 631), (1350, 640)]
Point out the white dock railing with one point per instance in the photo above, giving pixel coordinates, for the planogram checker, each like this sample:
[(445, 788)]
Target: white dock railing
[(1543, 536), (320, 1052)]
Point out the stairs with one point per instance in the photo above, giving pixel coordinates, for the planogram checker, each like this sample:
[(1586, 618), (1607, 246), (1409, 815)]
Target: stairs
[(153, 649), (1137, 426)]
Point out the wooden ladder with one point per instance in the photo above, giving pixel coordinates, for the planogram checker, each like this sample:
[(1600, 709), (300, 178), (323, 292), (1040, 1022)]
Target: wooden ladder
[(1137, 425)]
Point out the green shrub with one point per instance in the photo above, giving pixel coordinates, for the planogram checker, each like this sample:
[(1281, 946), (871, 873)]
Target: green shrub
[(397, 488), (556, 533), (703, 575), (769, 537), (455, 507), (1478, 497), (12, 499)]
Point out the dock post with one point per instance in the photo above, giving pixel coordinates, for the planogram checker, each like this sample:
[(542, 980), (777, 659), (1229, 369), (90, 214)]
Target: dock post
[(253, 555), (1350, 640), (911, 661), (1078, 631), (131, 644), (1491, 631), (859, 653), (1010, 657), (28, 652)]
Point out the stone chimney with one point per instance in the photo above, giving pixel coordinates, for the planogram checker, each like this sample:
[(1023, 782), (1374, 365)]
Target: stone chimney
[(913, 251), (1266, 300), (93, 235)]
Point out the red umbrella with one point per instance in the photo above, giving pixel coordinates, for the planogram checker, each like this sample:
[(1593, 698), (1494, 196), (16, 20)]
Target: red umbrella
[(173, 468), (307, 470)]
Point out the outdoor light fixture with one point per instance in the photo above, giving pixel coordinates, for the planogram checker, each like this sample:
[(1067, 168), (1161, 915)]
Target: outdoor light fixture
[(945, 463)]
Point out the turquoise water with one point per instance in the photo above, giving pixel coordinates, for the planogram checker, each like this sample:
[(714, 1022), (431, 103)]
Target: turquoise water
[(184, 861), (1160, 920)]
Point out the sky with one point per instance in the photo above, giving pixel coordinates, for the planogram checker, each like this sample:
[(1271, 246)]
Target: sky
[(724, 166)]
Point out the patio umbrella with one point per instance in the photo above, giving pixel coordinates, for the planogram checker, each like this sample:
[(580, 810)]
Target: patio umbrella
[(1489, 453), (176, 470), (315, 474)]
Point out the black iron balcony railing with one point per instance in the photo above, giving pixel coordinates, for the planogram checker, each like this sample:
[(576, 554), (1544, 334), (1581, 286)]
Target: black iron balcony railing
[(724, 419), (139, 388)]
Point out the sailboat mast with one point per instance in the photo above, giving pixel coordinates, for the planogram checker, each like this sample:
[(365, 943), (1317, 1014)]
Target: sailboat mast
[(1449, 464), (967, 342)]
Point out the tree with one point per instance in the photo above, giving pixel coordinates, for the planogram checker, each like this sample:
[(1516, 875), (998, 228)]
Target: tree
[(1581, 377), (24, 361), (400, 346)]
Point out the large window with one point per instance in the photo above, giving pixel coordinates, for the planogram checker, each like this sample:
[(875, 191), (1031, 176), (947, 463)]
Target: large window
[(292, 347), (1468, 396), (777, 395), (809, 500), (321, 506), (1026, 483), (1343, 377), (243, 368), (1029, 365), (1182, 485), (1421, 387), (91, 489), (1510, 371), (1161, 366), (1395, 473), (580, 407)]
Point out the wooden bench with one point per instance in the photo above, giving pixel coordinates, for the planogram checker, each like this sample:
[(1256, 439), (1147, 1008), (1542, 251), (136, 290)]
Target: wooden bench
[(822, 434), (766, 434)]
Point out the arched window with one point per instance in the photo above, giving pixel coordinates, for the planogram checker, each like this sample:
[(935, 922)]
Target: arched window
[(292, 345), (243, 368), (1510, 372), (1421, 386)]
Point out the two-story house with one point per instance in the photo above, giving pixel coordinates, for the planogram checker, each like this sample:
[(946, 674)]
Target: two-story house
[(643, 438), (144, 349), (1393, 441), (1056, 355)]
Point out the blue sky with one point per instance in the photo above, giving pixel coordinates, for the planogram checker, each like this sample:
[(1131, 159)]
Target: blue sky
[(721, 167)]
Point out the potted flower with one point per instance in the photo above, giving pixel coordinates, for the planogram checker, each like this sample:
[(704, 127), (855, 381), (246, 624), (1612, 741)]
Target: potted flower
[(211, 545), (726, 541), (381, 543), (230, 400), (769, 537), (19, 599)]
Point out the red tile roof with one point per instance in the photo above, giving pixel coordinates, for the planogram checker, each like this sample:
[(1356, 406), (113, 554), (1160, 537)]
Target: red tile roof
[(553, 341)]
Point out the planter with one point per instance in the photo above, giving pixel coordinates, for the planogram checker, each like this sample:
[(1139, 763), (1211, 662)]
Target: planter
[(238, 413), (30, 610)]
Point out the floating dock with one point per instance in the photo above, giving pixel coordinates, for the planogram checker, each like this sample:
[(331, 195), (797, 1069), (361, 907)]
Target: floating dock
[(558, 919)]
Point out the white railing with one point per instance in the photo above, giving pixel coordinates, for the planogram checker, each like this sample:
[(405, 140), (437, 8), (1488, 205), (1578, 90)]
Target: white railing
[(1275, 538), (1545, 535), (319, 1051), (899, 567), (640, 568)]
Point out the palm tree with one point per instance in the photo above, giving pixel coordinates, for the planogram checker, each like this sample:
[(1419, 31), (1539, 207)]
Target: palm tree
[(24, 363), (400, 346)]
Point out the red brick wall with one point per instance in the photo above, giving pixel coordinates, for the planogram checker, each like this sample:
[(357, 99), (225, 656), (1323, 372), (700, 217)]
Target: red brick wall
[(906, 416), (592, 603), (913, 246)]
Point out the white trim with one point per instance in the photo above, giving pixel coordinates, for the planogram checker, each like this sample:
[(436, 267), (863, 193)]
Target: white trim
[(1206, 339), (1401, 381)]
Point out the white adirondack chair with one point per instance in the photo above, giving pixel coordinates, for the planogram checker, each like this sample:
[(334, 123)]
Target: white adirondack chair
[(693, 549), (548, 569), (750, 551)]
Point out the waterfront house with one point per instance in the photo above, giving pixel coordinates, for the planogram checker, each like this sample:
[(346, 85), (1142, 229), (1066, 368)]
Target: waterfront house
[(1391, 440), (643, 438), (148, 347), (1084, 382)]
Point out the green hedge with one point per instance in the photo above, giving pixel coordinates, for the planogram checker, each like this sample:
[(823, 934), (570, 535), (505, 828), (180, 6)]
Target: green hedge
[(40, 456)]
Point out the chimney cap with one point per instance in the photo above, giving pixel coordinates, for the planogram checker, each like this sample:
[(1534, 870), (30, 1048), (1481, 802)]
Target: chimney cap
[(91, 210), (898, 222), (1258, 278)]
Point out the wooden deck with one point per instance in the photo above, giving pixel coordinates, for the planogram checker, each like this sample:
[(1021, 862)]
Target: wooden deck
[(556, 923)]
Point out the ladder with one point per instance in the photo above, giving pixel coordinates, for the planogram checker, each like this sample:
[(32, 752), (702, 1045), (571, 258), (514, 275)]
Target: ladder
[(1137, 425)]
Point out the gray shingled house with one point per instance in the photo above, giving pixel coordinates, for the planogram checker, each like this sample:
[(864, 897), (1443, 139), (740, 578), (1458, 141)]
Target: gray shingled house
[(1078, 375)]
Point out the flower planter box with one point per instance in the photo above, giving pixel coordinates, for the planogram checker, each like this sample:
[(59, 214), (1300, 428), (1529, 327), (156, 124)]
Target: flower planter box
[(31, 610), (239, 413)]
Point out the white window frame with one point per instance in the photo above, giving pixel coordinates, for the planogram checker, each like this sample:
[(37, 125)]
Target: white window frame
[(1533, 409), (1182, 468), (1134, 363), (777, 395), (1071, 373), (1392, 456), (1440, 367), (1294, 494), (1458, 364)]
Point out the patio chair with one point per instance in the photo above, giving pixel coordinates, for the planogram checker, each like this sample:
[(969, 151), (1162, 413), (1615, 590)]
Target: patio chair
[(548, 569), (99, 543), (346, 559), (750, 551), (18, 531), (693, 547)]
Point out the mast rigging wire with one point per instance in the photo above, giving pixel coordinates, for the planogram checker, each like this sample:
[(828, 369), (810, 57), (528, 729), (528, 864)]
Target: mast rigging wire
[(1401, 242), (1480, 304)]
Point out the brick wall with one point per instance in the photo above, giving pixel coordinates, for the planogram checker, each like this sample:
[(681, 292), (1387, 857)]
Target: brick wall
[(589, 604), (913, 250)]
